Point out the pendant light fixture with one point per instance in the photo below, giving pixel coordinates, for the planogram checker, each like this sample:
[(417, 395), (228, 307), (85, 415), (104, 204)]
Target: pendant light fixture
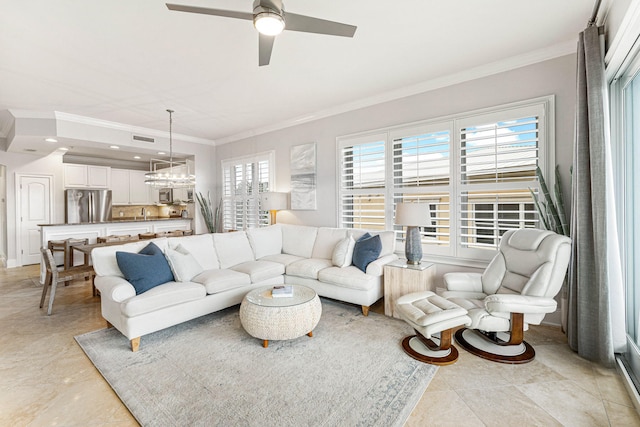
[(170, 174)]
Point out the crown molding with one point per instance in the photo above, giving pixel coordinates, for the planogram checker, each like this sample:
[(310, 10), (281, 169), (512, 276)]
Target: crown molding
[(486, 70), (90, 121)]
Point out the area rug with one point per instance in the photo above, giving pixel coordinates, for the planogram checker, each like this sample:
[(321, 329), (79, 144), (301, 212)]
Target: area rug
[(209, 371)]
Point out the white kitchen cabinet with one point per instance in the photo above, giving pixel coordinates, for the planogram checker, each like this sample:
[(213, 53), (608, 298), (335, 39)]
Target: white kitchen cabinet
[(129, 188), (119, 186), (86, 176), (139, 193), (183, 195)]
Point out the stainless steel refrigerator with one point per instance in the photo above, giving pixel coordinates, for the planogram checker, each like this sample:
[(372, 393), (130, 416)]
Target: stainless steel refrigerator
[(87, 206)]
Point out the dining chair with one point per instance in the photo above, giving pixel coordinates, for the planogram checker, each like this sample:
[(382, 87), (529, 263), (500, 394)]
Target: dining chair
[(57, 275)]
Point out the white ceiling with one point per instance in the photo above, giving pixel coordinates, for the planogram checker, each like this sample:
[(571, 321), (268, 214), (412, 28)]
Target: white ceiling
[(127, 61)]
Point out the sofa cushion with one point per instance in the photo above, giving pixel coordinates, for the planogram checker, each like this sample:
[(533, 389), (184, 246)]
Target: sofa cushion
[(284, 259), (343, 252), (366, 250), (265, 240), (215, 281), (326, 241), (387, 238), (146, 269), (162, 296), (260, 270), (348, 277), (298, 240), (308, 268), (200, 246), (183, 264), (232, 248)]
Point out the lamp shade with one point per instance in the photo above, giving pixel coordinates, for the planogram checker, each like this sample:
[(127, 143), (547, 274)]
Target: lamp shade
[(412, 214), (273, 201)]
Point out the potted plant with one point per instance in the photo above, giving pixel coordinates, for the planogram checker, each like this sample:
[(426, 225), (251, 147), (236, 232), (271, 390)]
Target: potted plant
[(211, 216)]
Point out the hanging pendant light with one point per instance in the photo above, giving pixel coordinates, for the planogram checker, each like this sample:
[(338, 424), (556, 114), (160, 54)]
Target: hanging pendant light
[(170, 174)]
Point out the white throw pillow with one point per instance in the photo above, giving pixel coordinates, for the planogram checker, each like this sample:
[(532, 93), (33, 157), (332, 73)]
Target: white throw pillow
[(183, 265), (343, 252)]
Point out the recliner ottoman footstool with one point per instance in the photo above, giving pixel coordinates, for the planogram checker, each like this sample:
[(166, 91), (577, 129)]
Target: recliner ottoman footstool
[(430, 314)]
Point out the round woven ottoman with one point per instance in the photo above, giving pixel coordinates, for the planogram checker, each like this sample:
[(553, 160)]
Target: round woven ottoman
[(284, 318)]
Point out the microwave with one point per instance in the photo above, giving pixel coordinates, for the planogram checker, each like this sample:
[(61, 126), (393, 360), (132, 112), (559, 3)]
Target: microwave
[(165, 195)]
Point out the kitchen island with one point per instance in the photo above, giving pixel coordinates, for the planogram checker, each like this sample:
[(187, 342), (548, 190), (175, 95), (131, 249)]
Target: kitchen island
[(120, 226)]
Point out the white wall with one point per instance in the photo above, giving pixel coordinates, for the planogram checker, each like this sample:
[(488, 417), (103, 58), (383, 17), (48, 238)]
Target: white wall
[(555, 76)]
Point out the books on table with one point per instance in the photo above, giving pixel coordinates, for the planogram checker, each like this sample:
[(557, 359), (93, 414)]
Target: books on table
[(282, 291)]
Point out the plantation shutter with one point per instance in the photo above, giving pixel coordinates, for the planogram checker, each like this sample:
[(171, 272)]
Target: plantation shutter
[(499, 154), (421, 162), (243, 182), (362, 183)]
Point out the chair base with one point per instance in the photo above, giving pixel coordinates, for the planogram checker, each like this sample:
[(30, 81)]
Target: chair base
[(477, 343), (429, 352)]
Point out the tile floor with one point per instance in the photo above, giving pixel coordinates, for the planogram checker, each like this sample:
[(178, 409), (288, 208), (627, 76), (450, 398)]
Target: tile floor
[(45, 378)]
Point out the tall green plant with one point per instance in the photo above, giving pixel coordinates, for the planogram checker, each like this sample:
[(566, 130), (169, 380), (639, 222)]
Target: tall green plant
[(552, 212), (211, 216)]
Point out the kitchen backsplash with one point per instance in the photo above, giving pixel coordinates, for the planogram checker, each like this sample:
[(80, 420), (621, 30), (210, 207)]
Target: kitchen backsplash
[(153, 211)]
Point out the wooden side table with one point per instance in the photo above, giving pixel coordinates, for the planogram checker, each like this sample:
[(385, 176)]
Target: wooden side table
[(401, 278)]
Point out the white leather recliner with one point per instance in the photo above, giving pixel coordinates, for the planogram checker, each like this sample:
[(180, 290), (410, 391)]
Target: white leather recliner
[(516, 289)]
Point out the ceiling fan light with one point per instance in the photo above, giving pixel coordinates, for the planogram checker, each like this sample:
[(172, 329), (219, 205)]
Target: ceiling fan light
[(268, 23)]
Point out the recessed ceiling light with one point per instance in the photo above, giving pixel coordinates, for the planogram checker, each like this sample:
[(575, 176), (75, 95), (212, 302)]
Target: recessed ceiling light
[(161, 153), (115, 147), (30, 150), (63, 149), (51, 140), (137, 157)]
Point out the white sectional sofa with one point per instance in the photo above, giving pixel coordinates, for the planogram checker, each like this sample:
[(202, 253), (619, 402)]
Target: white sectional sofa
[(228, 265)]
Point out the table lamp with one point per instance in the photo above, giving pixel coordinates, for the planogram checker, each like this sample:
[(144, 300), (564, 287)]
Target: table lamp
[(273, 202), (413, 215)]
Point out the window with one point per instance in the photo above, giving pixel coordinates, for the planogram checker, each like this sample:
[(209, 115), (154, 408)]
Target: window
[(498, 157), (243, 181), (475, 171), (421, 165), (362, 183), (625, 100)]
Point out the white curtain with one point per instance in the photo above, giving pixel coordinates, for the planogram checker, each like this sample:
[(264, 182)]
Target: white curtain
[(595, 324)]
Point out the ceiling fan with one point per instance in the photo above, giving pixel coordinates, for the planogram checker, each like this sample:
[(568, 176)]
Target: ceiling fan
[(270, 19)]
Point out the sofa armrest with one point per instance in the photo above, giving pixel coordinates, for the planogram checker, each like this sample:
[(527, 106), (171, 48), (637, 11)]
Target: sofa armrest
[(376, 268), (514, 303), (115, 288)]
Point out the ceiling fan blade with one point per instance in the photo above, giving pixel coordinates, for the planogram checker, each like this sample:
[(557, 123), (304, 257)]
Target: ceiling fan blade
[(308, 24), (208, 11), (265, 46)]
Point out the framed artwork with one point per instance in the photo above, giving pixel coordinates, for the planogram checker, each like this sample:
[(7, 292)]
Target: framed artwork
[(303, 177)]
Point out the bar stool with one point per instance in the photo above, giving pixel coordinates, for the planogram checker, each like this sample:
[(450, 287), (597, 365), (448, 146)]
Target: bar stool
[(64, 246), (68, 250), (117, 238), (174, 233), (58, 246)]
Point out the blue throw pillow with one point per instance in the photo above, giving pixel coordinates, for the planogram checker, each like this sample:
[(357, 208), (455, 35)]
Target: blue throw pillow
[(146, 269), (367, 249)]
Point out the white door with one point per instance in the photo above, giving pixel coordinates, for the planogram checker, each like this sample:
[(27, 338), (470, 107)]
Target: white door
[(35, 208)]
